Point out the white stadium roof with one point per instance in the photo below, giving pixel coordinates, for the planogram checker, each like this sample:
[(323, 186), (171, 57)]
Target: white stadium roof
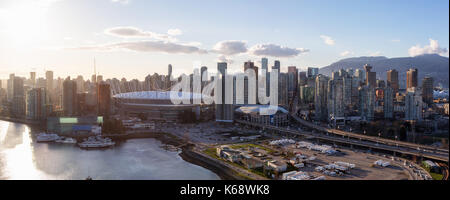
[(157, 95), (257, 109)]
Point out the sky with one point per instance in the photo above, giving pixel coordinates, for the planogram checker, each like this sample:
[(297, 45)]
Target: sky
[(134, 38)]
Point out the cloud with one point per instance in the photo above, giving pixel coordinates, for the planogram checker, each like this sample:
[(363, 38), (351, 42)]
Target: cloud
[(230, 47), (376, 53), (146, 46), (432, 48), (133, 32), (223, 58), (121, 1), (174, 32), (327, 39), (274, 50), (346, 53)]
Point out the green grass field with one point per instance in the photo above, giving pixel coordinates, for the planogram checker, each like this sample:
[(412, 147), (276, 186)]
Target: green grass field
[(239, 146)]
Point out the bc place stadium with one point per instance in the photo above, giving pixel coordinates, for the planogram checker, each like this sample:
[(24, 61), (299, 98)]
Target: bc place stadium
[(157, 106)]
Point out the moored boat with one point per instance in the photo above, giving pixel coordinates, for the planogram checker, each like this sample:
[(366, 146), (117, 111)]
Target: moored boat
[(96, 142), (67, 140), (47, 137)]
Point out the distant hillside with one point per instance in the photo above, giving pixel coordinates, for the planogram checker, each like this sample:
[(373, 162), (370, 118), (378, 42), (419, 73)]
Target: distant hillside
[(428, 65)]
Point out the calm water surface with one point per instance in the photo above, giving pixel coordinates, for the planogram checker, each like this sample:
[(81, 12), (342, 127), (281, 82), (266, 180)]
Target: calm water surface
[(22, 158)]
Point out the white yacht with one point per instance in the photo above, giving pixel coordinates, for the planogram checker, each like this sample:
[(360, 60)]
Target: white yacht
[(67, 140), (47, 137), (96, 142)]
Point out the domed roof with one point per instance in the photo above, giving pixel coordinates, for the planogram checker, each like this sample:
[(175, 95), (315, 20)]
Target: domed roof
[(156, 95), (256, 109)]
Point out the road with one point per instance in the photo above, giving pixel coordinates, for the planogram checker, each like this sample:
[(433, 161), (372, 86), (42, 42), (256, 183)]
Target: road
[(359, 141), (370, 138)]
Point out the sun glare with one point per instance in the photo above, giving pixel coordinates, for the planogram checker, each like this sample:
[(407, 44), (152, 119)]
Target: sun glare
[(23, 25)]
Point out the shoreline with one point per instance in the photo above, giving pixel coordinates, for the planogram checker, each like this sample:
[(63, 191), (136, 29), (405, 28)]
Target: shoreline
[(21, 121), (187, 153)]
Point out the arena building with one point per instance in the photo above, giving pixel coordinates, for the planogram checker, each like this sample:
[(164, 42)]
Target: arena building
[(157, 106), (252, 113)]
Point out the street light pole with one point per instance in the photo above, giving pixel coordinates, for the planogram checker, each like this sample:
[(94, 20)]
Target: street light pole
[(396, 141), (379, 134)]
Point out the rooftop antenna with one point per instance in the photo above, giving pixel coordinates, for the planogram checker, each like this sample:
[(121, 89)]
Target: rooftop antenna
[(95, 69)]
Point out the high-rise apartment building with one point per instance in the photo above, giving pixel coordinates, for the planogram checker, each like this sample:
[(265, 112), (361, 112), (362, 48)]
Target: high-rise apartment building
[(36, 104), (335, 97), (320, 98), (292, 82), (313, 71), (411, 78), (10, 87), (388, 103), (367, 102), (69, 97), (371, 77), (49, 80), (413, 104), (224, 112), (104, 99), (18, 97), (33, 79), (427, 90), (392, 80), (265, 67), (302, 79)]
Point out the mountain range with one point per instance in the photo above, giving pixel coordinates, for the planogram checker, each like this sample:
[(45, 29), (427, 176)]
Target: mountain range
[(432, 65)]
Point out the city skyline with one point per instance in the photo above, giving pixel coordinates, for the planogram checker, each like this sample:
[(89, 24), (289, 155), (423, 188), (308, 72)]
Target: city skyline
[(154, 35)]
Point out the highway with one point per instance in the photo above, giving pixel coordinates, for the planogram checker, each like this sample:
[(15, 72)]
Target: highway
[(361, 140), (369, 138)]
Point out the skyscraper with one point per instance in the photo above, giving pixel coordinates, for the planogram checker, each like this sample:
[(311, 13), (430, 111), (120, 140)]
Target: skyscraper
[(18, 100), (10, 87), (36, 102), (204, 80), (264, 64), (388, 104), (335, 99), (371, 77), (33, 79), (411, 78), (413, 104), (69, 102), (312, 71), (367, 102), (94, 79), (381, 84), (169, 70), (265, 67), (392, 80), (360, 75), (80, 84), (276, 65), (292, 82), (99, 78), (283, 93), (49, 79), (224, 112), (320, 98), (302, 79), (348, 91), (427, 90), (249, 65), (104, 99)]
